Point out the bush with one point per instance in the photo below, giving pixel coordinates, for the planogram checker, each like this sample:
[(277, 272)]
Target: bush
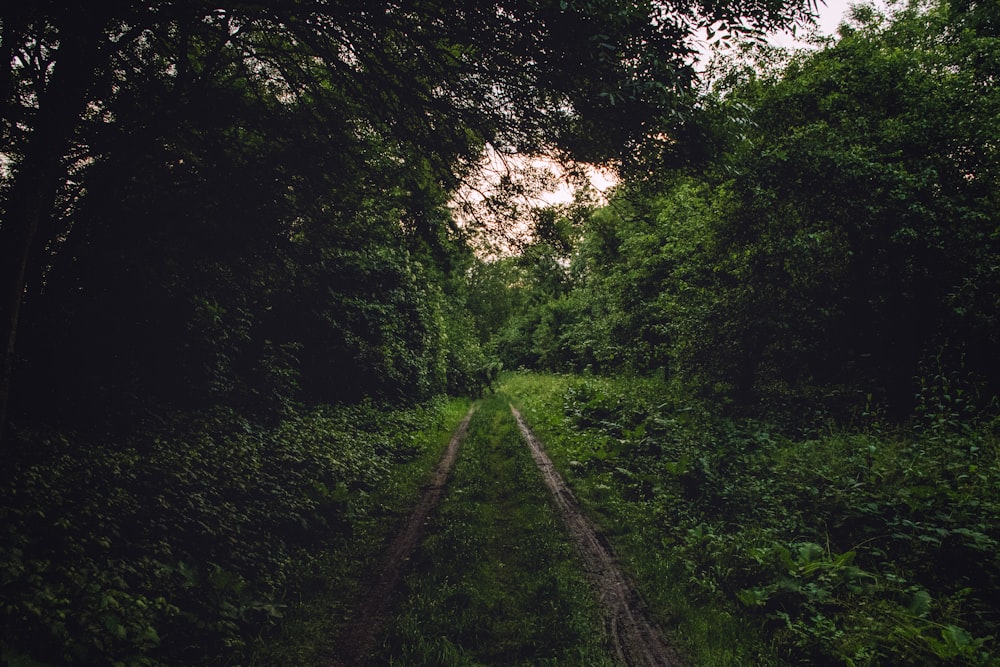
[(177, 545), (869, 547)]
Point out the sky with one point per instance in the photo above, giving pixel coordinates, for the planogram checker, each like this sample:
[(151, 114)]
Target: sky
[(830, 15)]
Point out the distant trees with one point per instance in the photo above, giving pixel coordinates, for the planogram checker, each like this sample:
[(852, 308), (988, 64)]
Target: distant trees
[(841, 246), (177, 159)]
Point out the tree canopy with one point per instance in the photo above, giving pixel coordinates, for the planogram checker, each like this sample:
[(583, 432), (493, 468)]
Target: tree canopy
[(838, 242), (239, 127), (230, 268)]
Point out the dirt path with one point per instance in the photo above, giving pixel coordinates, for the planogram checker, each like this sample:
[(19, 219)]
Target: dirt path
[(637, 641), (370, 615)]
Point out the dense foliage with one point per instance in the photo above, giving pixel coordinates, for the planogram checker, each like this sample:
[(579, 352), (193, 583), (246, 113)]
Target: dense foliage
[(229, 269), (845, 548), (802, 431), (221, 227), (236, 236), (220, 158), (207, 534), (837, 251)]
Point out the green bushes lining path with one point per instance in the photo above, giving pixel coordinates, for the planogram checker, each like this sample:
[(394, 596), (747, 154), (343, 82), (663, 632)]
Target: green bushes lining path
[(874, 547), (209, 540), (186, 543)]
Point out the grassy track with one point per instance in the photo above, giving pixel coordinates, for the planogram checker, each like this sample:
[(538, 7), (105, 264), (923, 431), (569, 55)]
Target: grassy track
[(707, 635), (496, 581), (321, 608)]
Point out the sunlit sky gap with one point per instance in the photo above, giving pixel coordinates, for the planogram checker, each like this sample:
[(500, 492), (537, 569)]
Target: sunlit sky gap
[(831, 14), (561, 190)]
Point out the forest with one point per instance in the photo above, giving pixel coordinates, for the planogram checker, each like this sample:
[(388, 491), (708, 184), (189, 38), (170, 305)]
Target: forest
[(245, 303)]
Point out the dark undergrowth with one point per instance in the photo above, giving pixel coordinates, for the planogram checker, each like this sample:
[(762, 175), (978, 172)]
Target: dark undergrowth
[(864, 547), (193, 540)]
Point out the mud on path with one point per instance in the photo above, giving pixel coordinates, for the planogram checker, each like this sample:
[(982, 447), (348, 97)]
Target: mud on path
[(370, 615), (637, 641)]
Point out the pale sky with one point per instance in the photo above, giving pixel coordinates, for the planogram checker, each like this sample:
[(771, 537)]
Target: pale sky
[(830, 15)]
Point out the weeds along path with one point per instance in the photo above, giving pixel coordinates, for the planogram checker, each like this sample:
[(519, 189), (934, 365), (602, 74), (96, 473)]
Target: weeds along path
[(496, 579), (370, 615), (637, 640)]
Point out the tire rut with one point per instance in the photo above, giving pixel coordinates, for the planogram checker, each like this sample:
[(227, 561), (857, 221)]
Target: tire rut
[(636, 639), (371, 613)]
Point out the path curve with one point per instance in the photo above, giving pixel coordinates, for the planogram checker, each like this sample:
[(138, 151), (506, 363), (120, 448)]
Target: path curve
[(371, 613), (637, 640)]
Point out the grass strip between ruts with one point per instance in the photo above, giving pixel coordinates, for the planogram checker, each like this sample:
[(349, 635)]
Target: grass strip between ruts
[(497, 581)]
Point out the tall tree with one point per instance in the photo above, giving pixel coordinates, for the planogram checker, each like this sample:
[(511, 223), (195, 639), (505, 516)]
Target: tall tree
[(589, 79), (840, 245), (868, 207)]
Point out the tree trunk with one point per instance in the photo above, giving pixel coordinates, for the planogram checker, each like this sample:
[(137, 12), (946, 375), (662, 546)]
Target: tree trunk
[(36, 183)]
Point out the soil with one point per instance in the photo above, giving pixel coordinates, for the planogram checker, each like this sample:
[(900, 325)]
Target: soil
[(371, 613), (636, 639)]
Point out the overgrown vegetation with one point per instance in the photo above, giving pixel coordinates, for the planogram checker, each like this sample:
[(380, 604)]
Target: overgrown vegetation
[(221, 227), (230, 267), (797, 419), (497, 581), (189, 540), (868, 547), (833, 253)]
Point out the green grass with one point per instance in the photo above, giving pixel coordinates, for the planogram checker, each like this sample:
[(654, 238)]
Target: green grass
[(321, 602), (755, 546), (707, 633), (496, 581)]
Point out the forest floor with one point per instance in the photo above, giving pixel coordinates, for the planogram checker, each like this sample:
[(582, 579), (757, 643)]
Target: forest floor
[(452, 580)]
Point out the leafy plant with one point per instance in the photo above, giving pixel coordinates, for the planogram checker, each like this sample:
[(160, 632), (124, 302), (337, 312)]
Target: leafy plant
[(848, 548), (187, 541)]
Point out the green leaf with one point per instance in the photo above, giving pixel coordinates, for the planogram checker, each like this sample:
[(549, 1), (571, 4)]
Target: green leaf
[(753, 597), (956, 637), (809, 552), (920, 603)]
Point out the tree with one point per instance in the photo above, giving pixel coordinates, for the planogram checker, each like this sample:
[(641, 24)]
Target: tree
[(589, 80), (838, 247), (863, 245)]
